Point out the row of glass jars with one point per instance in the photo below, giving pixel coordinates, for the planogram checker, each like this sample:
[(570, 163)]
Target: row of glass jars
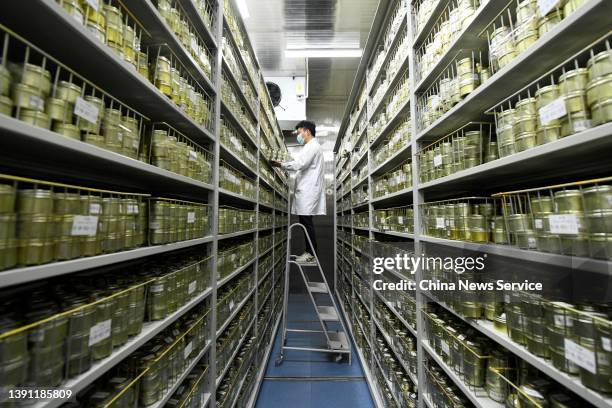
[(232, 141), (39, 225), (460, 151), (234, 104), (192, 392), (231, 336), (573, 221), (59, 105), (232, 180), (264, 243), (235, 220), (186, 34), (398, 381), (240, 38), (465, 219), (232, 294), (172, 152), (393, 181), (508, 39), (227, 392), (106, 23), (395, 219), (157, 365), (172, 221), (441, 391), (586, 94), (396, 141), (233, 255), (178, 87)]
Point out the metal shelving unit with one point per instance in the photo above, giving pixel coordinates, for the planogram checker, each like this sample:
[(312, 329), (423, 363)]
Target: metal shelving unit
[(44, 154), (531, 167)]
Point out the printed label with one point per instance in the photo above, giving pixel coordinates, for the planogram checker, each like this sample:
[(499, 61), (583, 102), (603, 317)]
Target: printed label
[(36, 103), (93, 3), (188, 350), (84, 225), (437, 160), (192, 287), (580, 125), (132, 209), (531, 242), (36, 336), (445, 347), (157, 288), (194, 46), (190, 217), (193, 156), (100, 332), (120, 136), (546, 6), (606, 344), (538, 223), (86, 110), (581, 356), (552, 111), (154, 225), (440, 224), (400, 220), (95, 208), (563, 224)]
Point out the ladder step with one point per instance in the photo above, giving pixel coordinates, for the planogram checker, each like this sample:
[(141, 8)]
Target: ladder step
[(327, 313), (317, 287), (338, 340)]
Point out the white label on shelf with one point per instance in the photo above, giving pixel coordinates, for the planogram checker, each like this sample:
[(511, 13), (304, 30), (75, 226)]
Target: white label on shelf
[(94, 3), (606, 344), (188, 350), (157, 288), (552, 111), (86, 110), (231, 305), (36, 102), (120, 136), (563, 224), (84, 225), (435, 101), (192, 287), (100, 332), (191, 217), (546, 6), (581, 356), (400, 219), (132, 209), (36, 335), (445, 347), (538, 223), (95, 208), (154, 225), (580, 125), (193, 156), (440, 224), (437, 160), (531, 242), (194, 46), (506, 298), (451, 222)]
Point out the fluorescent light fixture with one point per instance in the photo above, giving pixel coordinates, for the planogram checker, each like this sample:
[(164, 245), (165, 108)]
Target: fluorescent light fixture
[(324, 53), (242, 7)]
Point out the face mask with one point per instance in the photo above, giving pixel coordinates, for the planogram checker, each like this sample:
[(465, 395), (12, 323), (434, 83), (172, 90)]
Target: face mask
[(300, 139)]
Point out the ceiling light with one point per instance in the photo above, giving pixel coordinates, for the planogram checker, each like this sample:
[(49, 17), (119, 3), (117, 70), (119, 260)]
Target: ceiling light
[(324, 53), (242, 7)]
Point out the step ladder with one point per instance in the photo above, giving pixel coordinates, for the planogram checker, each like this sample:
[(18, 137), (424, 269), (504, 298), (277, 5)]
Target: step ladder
[(336, 340)]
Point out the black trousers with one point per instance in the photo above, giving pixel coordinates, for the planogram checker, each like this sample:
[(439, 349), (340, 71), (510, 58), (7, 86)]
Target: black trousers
[(306, 221)]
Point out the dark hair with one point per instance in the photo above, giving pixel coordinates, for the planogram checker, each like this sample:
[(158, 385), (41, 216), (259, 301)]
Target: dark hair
[(306, 124)]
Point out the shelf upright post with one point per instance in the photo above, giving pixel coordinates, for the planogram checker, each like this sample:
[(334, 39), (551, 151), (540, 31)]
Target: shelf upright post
[(417, 200), (214, 199)]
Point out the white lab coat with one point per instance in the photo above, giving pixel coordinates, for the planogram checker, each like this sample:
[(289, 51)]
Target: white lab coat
[(309, 180)]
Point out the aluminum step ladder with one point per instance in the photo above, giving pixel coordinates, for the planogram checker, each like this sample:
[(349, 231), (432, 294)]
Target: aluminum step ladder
[(336, 339)]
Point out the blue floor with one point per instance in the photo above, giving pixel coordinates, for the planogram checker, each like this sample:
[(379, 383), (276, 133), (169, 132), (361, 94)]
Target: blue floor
[(308, 379)]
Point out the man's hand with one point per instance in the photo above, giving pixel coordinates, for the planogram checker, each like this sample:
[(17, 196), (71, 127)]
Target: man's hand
[(275, 163)]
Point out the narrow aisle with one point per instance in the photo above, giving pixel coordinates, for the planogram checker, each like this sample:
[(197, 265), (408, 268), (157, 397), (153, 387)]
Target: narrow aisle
[(308, 379)]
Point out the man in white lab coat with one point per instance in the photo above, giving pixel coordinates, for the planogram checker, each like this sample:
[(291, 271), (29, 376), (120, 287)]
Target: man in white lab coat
[(309, 183)]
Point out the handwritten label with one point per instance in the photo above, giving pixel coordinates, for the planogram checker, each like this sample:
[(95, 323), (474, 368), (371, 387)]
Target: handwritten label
[(554, 110), (581, 356), (546, 6), (563, 224), (84, 225), (437, 160), (100, 332), (440, 224), (86, 110), (95, 208), (36, 103), (190, 217), (188, 350), (192, 287)]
